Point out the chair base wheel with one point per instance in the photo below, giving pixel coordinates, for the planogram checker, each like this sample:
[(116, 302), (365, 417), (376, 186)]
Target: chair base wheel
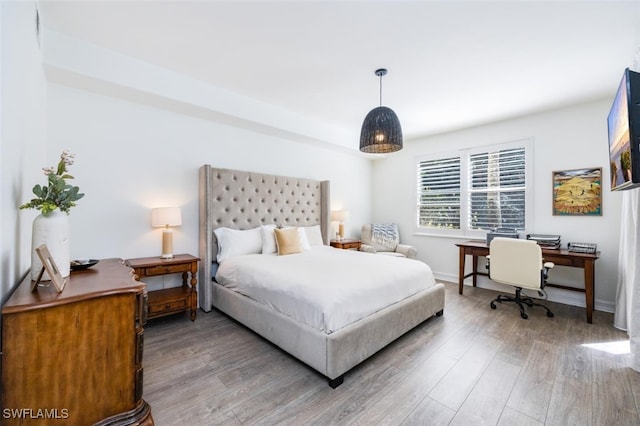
[(521, 301)]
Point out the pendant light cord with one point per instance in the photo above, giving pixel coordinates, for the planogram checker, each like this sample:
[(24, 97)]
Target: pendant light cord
[(381, 73)]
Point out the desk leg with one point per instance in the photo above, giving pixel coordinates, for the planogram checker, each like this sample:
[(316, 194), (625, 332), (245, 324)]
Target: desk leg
[(461, 270), (475, 270), (589, 278)]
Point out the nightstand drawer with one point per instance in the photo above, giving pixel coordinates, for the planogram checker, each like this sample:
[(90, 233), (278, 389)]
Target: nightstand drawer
[(177, 305), (346, 244), (165, 269)]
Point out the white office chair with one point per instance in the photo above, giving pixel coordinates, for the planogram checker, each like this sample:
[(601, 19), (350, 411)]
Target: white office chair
[(518, 263)]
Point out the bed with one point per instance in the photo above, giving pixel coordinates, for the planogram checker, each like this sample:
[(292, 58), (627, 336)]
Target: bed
[(244, 200)]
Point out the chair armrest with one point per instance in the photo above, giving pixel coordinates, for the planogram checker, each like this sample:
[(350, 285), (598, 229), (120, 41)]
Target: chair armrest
[(367, 248), (545, 272), (409, 251)]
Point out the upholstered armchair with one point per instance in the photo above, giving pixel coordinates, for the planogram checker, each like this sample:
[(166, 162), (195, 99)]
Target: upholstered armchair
[(385, 239)]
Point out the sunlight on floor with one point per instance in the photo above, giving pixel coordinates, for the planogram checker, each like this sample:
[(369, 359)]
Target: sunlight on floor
[(616, 348)]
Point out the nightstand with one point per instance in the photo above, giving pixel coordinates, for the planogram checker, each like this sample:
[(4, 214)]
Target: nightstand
[(170, 300), (346, 244)]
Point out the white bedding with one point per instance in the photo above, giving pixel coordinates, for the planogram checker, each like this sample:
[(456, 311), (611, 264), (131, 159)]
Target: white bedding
[(325, 288)]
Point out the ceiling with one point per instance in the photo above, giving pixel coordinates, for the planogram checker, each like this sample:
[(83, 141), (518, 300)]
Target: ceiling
[(451, 64)]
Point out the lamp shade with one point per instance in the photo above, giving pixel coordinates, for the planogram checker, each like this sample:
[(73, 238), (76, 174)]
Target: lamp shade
[(381, 132), (339, 215), (166, 216)]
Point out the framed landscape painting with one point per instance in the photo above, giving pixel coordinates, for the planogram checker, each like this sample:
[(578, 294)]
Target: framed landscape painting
[(577, 192)]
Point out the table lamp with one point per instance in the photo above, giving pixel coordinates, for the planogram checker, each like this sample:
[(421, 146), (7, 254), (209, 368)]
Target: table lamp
[(166, 217), (340, 216)]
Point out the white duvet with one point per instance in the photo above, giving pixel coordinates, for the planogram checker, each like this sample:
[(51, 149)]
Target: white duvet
[(325, 288)]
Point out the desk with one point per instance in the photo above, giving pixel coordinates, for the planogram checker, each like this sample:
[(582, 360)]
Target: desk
[(561, 257)]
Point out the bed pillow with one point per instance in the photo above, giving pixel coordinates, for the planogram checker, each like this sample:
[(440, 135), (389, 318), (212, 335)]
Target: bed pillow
[(268, 239), (304, 241), (288, 241), (314, 235), (234, 242)]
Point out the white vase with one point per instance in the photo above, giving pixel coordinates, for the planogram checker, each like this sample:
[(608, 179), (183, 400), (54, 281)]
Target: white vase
[(53, 231)]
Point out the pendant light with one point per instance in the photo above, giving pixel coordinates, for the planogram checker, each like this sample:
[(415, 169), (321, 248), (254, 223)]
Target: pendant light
[(381, 132)]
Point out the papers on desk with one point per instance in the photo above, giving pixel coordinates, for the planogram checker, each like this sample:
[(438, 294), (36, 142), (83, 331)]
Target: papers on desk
[(545, 240), (582, 247)]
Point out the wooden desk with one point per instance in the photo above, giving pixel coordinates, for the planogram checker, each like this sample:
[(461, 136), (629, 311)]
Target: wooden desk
[(559, 257)]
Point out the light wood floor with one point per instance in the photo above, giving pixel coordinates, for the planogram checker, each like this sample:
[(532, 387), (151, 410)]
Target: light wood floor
[(472, 366)]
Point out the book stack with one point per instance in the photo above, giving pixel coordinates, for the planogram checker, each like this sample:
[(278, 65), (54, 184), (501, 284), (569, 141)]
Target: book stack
[(545, 240)]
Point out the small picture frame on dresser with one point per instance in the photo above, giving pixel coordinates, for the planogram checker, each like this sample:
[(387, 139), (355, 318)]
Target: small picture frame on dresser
[(49, 265)]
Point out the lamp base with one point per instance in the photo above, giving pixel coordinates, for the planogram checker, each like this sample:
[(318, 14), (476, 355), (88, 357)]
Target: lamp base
[(167, 244)]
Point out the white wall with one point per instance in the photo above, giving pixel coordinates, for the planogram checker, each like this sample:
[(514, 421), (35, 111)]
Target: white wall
[(131, 158), (570, 138), (136, 149), (22, 144)]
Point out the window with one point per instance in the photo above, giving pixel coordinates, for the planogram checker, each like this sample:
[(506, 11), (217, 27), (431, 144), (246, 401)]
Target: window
[(471, 191), (439, 193)]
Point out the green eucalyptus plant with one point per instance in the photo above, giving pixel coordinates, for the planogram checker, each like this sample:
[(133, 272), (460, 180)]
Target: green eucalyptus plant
[(58, 194)]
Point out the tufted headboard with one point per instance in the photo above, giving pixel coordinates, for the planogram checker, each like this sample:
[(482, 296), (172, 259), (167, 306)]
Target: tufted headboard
[(244, 200)]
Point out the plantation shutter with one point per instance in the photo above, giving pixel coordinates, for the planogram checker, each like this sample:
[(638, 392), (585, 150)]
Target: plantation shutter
[(496, 189), (439, 193)]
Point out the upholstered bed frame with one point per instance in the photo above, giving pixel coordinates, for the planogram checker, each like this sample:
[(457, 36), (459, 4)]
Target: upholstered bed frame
[(244, 200)]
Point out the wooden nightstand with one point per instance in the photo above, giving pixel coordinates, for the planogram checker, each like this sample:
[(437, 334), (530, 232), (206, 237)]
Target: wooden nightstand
[(170, 300), (346, 244)]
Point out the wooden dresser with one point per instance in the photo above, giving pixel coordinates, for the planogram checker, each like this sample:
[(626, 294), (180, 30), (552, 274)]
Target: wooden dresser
[(75, 358)]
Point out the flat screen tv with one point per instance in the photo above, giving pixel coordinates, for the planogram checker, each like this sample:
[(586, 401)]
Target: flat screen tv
[(624, 133)]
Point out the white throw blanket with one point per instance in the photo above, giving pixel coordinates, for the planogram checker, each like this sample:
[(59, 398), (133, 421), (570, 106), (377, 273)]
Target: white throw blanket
[(325, 288)]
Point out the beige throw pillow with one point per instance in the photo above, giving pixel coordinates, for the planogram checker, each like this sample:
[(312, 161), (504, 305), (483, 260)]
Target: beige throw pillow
[(288, 241)]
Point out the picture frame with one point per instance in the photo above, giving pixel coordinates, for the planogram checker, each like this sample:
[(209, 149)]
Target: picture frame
[(50, 266), (577, 192)]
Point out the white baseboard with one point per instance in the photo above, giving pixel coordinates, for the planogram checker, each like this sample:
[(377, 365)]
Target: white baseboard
[(558, 295)]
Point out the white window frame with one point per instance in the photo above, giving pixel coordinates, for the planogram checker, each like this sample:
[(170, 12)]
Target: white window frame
[(465, 154)]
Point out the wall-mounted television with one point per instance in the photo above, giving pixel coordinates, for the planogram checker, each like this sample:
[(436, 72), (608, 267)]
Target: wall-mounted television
[(624, 133)]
